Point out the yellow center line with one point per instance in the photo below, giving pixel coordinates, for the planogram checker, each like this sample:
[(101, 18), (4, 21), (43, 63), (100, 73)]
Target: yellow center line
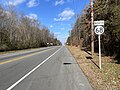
[(15, 59)]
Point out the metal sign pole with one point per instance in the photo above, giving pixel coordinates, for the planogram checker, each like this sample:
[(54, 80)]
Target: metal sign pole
[(99, 52)]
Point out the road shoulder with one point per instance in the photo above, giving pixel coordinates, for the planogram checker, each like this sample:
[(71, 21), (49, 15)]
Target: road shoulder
[(108, 78)]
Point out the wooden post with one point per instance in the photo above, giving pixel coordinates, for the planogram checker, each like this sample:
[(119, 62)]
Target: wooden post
[(92, 27)]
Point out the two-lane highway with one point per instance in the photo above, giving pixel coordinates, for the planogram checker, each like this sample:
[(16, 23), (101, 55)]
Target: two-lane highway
[(13, 69), (44, 70)]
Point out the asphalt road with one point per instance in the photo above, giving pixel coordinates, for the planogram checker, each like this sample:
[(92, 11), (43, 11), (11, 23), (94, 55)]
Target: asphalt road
[(49, 69)]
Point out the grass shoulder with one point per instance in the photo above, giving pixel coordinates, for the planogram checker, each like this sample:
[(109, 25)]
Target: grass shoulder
[(108, 78)]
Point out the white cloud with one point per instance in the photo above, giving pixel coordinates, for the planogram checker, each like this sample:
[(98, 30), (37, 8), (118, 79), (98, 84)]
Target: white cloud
[(15, 2), (59, 2), (32, 16), (51, 26), (57, 34), (67, 14), (62, 28), (33, 3)]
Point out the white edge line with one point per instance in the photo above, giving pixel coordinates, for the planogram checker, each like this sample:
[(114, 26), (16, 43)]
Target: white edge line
[(21, 79)]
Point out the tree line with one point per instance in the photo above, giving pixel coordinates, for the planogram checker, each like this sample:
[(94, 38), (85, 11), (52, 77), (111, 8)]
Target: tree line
[(18, 31), (107, 10)]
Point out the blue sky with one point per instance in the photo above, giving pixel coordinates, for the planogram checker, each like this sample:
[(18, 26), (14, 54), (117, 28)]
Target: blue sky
[(57, 15)]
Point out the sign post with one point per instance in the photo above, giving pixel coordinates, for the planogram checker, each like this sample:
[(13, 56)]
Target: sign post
[(99, 30), (99, 52)]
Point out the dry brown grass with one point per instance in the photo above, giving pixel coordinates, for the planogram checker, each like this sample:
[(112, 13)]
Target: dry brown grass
[(108, 78)]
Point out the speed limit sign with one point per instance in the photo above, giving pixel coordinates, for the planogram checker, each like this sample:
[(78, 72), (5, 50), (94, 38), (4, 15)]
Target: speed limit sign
[(99, 30)]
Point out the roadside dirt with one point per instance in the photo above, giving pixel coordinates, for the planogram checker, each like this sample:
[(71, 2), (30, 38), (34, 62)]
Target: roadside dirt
[(108, 78)]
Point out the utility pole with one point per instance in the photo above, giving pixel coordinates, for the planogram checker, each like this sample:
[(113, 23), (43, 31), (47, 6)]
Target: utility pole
[(92, 32)]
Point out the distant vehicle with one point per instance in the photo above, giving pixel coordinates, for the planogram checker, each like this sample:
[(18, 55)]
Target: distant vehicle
[(67, 43), (51, 44), (48, 44)]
